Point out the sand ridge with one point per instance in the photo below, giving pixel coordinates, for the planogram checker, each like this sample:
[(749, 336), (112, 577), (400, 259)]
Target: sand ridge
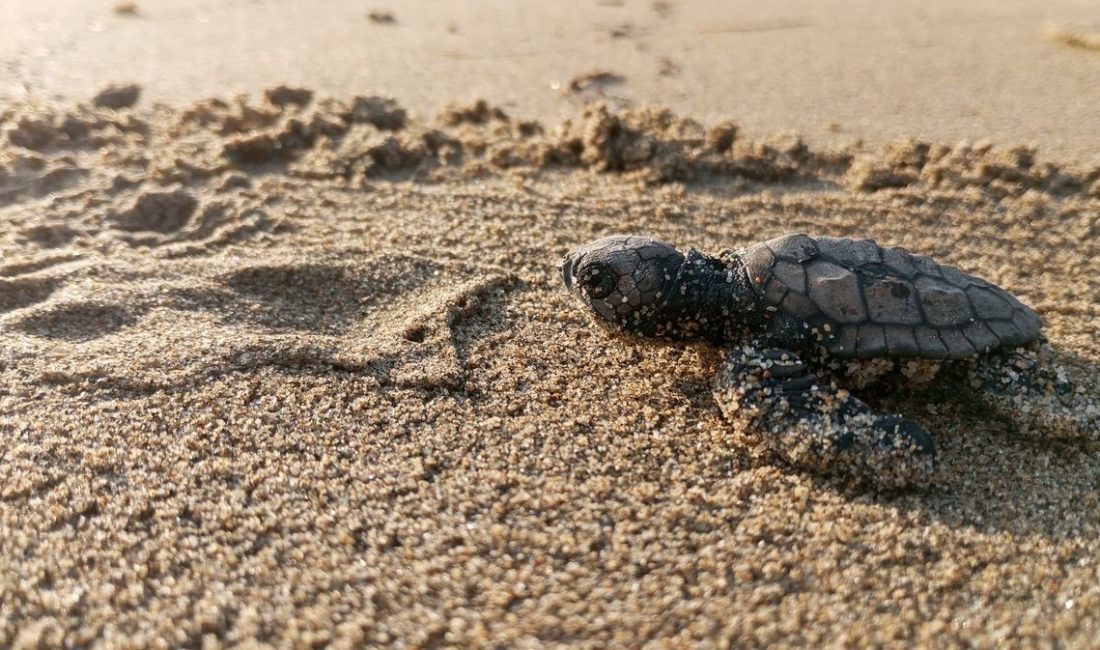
[(299, 370)]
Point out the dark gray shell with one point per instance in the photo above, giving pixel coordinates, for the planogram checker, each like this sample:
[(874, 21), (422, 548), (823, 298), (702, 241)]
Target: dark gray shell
[(862, 300)]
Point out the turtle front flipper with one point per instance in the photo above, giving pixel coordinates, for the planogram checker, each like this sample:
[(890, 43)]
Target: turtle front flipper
[(771, 395), (1031, 387)]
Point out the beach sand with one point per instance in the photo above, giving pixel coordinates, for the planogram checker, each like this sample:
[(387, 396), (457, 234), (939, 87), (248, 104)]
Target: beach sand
[(297, 370), (835, 71)]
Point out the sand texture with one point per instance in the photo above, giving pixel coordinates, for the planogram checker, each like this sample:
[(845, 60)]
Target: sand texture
[(296, 370)]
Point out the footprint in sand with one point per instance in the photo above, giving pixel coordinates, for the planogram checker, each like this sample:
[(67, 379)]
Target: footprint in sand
[(37, 179), (158, 212), (24, 292), (50, 235), (81, 321), (325, 298), (398, 316), (178, 217)]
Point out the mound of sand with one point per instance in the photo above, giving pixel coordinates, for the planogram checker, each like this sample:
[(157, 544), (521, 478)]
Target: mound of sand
[(300, 370), (1086, 37)]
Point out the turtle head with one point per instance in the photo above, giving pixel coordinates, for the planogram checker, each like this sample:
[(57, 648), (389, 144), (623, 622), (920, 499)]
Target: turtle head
[(624, 280)]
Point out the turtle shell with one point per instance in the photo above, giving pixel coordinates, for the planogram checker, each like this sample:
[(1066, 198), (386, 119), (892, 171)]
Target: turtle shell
[(862, 300)]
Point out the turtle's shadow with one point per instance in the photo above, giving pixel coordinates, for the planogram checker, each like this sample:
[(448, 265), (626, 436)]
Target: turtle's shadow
[(1011, 486), (992, 478)]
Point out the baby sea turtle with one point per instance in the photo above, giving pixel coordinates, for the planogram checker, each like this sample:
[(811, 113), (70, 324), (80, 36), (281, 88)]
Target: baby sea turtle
[(807, 318)]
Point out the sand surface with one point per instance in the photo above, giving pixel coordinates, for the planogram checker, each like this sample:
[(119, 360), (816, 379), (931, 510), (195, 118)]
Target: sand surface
[(1004, 70), (300, 370)]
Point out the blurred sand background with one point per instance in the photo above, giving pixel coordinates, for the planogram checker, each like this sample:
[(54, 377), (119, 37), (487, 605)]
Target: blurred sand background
[(832, 71), (296, 370)]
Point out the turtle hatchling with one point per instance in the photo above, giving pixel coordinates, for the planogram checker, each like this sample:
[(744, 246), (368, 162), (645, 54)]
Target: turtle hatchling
[(807, 319)]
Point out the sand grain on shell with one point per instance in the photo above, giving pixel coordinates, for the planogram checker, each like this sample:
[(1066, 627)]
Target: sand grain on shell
[(336, 394)]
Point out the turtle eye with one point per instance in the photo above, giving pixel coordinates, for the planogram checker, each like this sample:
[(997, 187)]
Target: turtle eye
[(599, 281)]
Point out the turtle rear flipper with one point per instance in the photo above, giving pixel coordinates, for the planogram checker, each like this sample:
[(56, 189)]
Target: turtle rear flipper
[(769, 394), (1031, 388)]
